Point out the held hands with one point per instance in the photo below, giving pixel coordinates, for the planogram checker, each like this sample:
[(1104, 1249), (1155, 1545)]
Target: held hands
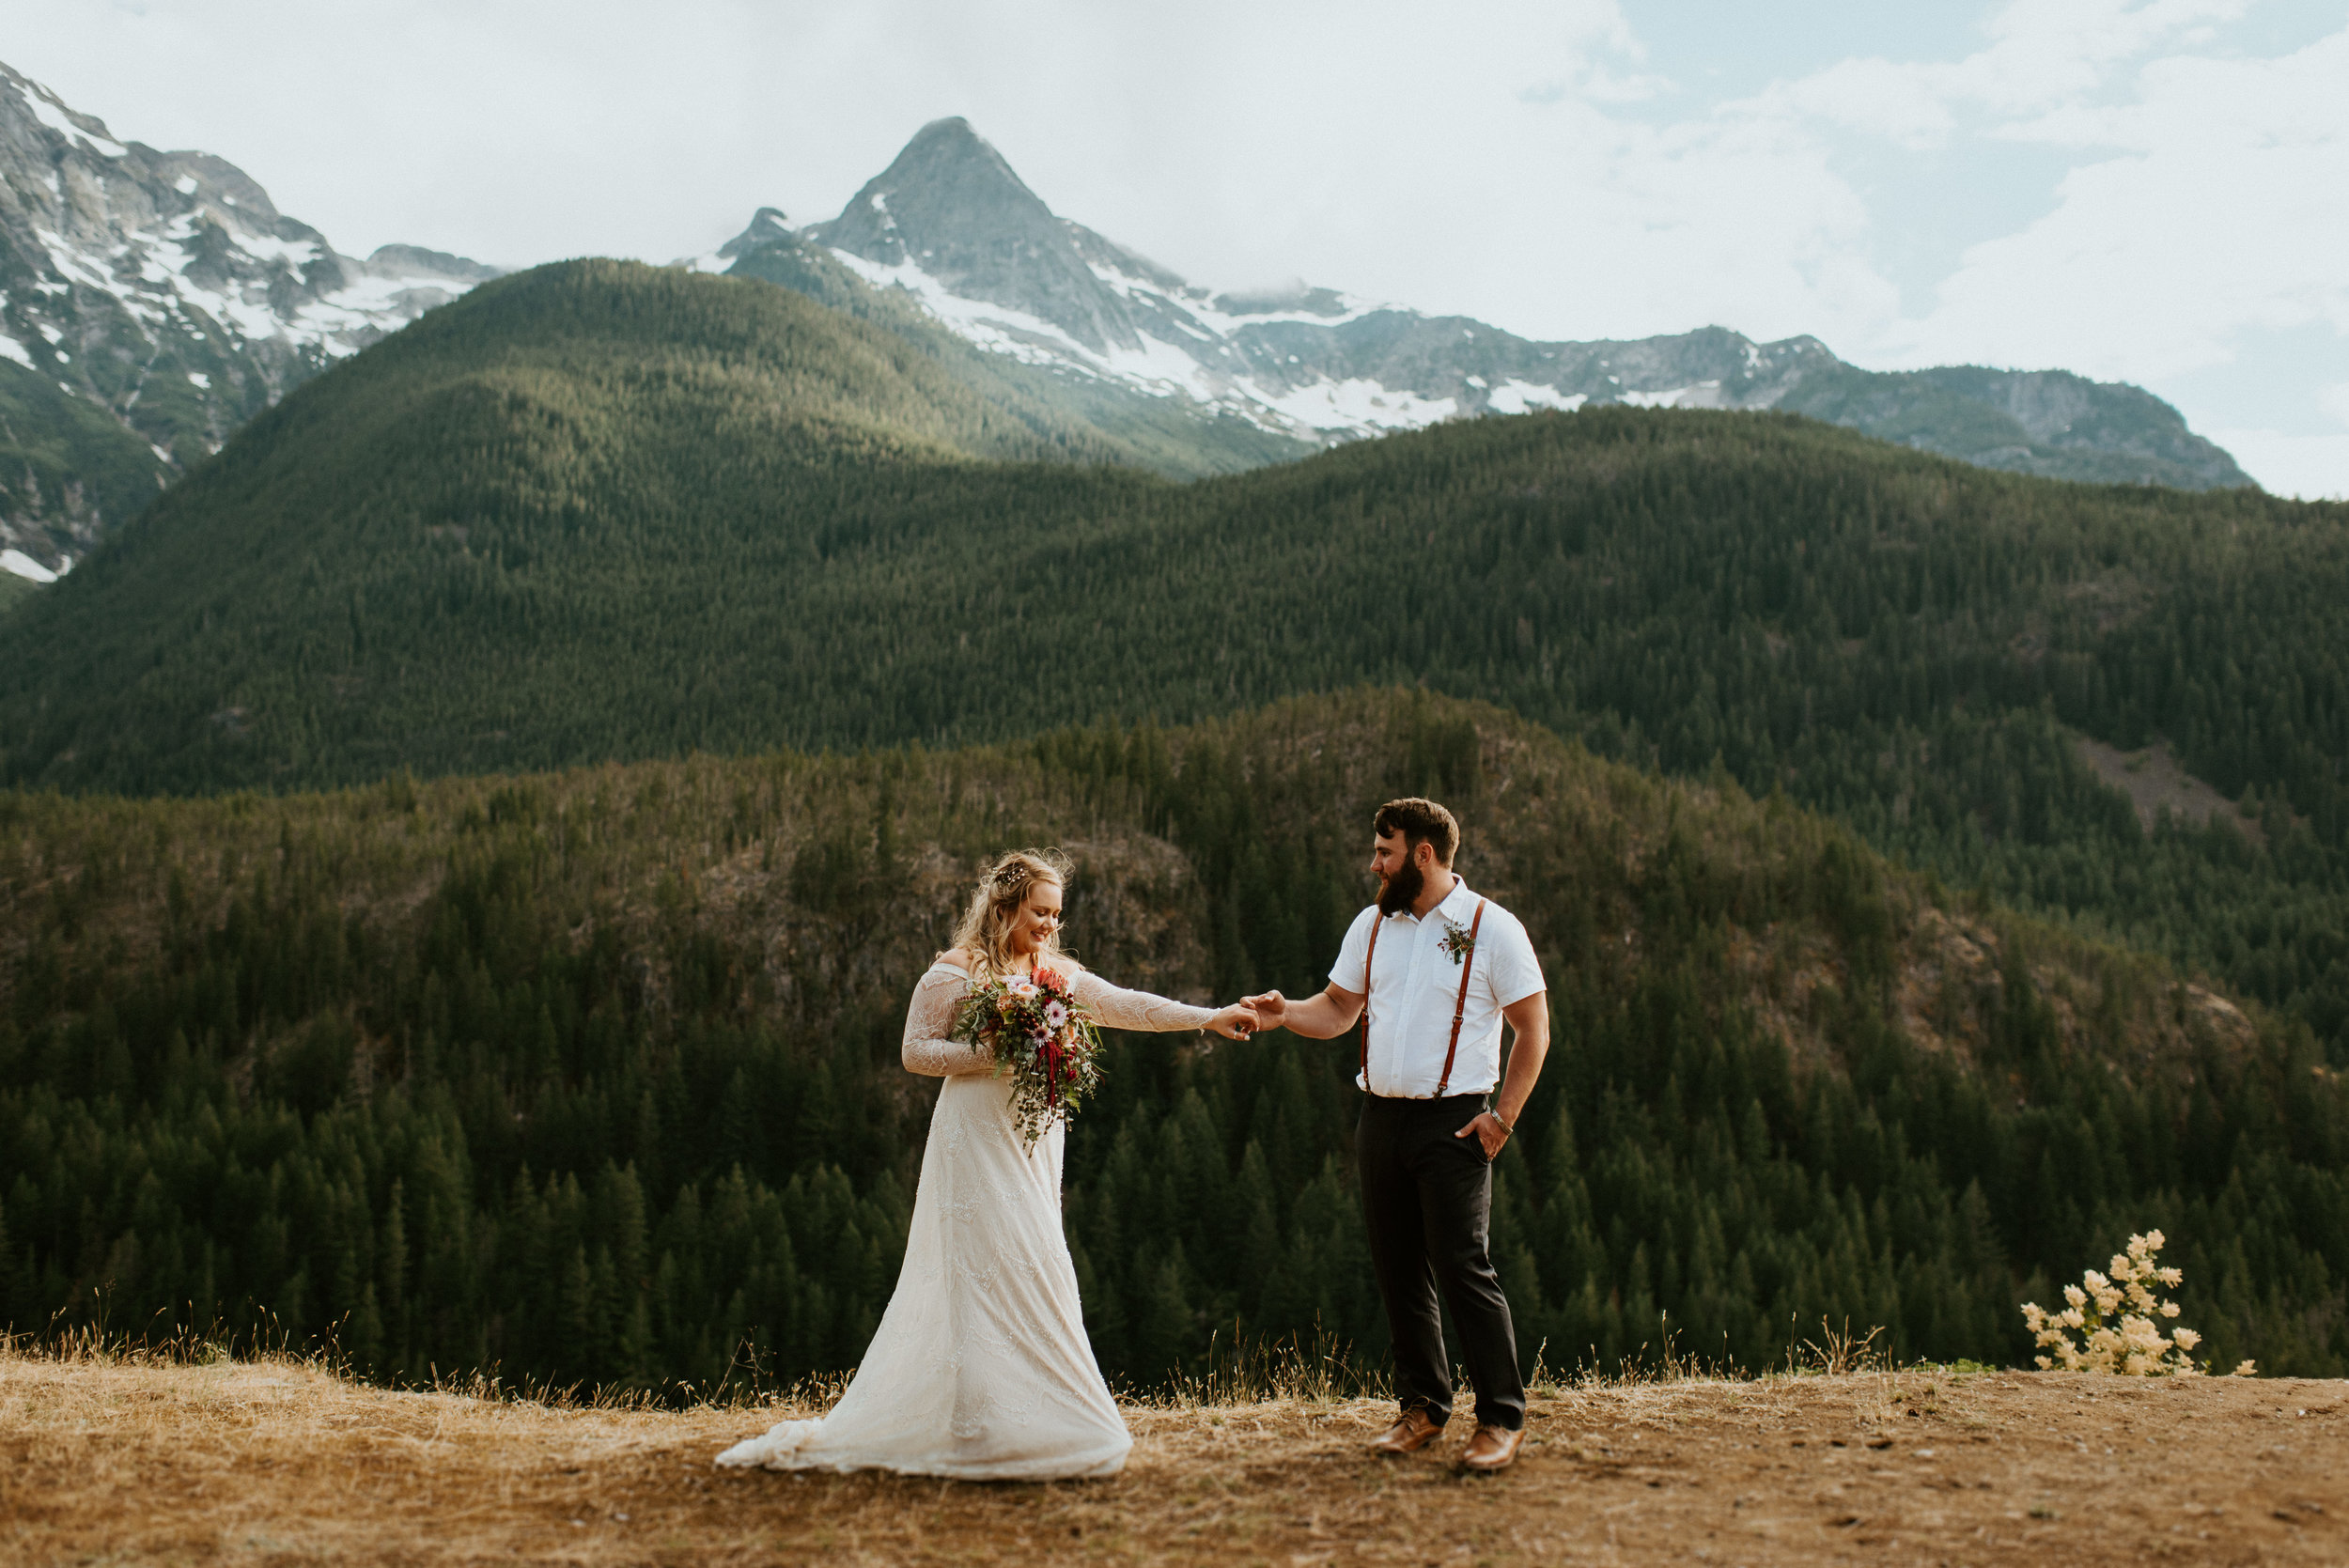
[(1271, 1009), (1238, 1021), (1488, 1131)]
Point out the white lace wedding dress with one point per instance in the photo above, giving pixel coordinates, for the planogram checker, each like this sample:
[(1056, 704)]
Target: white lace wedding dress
[(980, 1369)]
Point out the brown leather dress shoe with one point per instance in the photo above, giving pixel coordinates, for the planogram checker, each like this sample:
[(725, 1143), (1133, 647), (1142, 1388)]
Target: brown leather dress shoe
[(1492, 1448), (1412, 1431)]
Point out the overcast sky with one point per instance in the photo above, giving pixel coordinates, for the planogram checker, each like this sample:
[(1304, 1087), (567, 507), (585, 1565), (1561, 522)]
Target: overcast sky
[(2154, 191)]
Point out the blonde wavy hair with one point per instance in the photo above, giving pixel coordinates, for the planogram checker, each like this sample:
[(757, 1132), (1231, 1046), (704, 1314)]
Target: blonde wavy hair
[(985, 931)]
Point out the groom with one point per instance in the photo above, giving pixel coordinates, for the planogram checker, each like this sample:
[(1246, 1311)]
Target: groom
[(1441, 969)]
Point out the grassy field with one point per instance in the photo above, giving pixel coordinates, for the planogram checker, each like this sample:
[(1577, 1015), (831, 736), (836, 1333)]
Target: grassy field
[(121, 1460)]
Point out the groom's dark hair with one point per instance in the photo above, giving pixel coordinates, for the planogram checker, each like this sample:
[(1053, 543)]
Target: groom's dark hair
[(1420, 822)]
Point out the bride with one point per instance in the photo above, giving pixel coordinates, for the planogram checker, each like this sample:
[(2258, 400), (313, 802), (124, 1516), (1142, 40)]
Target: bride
[(980, 1369)]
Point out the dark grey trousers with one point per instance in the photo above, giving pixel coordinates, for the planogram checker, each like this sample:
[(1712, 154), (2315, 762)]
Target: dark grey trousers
[(1427, 1197)]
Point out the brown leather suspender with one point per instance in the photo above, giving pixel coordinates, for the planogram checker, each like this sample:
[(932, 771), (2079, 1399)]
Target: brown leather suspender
[(1459, 1007), (1468, 962)]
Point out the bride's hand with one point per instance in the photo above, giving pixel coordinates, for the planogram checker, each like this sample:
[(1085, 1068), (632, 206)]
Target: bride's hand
[(1236, 1022)]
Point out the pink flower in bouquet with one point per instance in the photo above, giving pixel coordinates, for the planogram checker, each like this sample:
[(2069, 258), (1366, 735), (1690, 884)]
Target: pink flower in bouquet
[(1042, 1038)]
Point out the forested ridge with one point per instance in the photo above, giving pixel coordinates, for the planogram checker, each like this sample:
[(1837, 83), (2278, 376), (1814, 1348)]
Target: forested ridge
[(604, 511), (592, 1075)]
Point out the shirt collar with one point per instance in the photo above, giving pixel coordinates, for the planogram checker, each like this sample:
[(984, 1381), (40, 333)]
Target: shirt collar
[(1453, 906)]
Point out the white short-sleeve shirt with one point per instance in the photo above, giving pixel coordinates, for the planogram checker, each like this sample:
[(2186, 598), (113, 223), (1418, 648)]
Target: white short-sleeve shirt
[(1415, 985)]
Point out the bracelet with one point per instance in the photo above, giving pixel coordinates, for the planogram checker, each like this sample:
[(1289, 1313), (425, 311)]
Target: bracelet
[(1507, 1127)]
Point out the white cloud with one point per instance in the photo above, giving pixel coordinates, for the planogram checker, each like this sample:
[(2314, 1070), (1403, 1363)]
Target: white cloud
[(2219, 211), (2313, 465)]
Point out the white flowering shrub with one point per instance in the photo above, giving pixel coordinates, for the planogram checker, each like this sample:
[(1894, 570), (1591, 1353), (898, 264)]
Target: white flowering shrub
[(2112, 1324)]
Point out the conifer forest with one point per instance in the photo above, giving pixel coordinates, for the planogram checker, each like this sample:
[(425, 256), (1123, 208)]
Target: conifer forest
[(467, 847)]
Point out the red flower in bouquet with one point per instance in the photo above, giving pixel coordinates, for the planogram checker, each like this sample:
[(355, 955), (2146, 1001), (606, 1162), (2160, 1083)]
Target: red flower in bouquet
[(1039, 1032)]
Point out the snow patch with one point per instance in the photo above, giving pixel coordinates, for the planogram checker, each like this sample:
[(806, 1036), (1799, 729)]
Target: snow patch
[(1027, 338), (47, 109), (25, 566), (202, 381), (11, 348), (1514, 397), (1700, 395), (185, 184), (1360, 404)]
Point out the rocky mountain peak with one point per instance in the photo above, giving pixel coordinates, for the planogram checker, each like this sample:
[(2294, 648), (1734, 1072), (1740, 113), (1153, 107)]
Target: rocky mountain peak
[(164, 294), (948, 199), (951, 223), (950, 208), (768, 226)]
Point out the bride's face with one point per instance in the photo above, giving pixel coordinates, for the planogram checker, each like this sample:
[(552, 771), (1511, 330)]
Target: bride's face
[(1038, 919)]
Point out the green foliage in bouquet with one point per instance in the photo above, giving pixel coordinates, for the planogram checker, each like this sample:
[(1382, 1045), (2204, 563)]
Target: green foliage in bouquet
[(1038, 1032)]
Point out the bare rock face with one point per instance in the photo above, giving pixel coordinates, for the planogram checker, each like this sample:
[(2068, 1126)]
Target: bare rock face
[(150, 303)]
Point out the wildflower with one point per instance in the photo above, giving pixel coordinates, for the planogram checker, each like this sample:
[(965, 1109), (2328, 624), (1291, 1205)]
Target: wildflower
[(1055, 1015), (2115, 1316)]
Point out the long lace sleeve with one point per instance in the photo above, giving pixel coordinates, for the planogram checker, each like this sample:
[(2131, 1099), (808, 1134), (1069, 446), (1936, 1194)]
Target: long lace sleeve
[(1136, 1010), (930, 1023)]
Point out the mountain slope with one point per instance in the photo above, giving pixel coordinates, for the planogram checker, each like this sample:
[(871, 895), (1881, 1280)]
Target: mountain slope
[(1174, 437), (602, 511), (594, 1075), (166, 292), (643, 427), (952, 227)]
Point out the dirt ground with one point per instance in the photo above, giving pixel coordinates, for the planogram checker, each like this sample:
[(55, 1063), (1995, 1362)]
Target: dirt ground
[(271, 1462)]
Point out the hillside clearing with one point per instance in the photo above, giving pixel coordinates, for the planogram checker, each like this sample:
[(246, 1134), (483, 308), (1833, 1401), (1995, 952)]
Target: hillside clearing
[(282, 1463)]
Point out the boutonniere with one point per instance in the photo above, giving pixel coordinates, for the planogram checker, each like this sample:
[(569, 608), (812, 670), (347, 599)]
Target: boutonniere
[(1459, 940)]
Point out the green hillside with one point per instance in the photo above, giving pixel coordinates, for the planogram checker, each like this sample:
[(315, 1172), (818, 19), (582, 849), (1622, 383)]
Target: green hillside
[(593, 1075), (602, 511)]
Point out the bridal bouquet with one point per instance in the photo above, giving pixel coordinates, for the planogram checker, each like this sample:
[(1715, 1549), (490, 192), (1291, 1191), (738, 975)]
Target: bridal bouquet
[(1039, 1032)]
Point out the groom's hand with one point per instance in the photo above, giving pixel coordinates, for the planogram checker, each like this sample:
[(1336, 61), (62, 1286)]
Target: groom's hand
[(1488, 1131), (1271, 1009)]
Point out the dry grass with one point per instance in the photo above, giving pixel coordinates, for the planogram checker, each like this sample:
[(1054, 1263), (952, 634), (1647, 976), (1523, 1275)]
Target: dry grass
[(124, 1461)]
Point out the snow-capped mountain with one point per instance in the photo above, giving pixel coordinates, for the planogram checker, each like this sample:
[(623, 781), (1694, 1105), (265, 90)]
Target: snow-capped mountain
[(952, 225), (166, 292)]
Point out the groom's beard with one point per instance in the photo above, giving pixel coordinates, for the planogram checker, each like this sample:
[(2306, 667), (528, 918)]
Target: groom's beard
[(1399, 891)]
